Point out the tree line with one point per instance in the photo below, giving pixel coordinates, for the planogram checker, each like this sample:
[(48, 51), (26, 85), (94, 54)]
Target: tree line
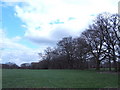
[(96, 47)]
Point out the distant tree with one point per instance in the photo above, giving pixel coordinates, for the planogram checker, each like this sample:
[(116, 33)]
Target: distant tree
[(95, 41), (81, 52), (10, 65), (67, 48), (48, 55), (5, 66), (25, 65), (35, 65)]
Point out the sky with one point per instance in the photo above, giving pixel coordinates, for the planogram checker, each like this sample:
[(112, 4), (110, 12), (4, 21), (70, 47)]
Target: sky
[(27, 27)]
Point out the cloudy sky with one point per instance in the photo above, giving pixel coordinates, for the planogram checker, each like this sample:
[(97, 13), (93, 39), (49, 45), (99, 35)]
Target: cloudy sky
[(29, 26)]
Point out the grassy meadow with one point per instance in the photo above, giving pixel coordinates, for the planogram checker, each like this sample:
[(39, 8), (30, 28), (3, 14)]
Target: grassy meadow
[(0, 78), (21, 78)]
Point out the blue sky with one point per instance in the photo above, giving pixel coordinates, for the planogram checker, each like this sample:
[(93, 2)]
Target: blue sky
[(29, 26), (11, 23)]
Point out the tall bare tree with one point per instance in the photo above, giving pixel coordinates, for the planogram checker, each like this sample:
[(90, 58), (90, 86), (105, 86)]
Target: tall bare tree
[(66, 46)]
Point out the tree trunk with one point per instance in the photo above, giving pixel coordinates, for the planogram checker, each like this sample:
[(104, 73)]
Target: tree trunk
[(114, 60), (109, 65), (115, 65), (98, 65), (118, 66)]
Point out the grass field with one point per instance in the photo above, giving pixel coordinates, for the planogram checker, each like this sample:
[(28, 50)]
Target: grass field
[(0, 78), (18, 78)]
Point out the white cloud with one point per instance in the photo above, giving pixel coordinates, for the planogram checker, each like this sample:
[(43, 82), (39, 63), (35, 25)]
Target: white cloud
[(12, 51), (13, 0), (16, 39), (5, 3), (19, 56), (39, 14)]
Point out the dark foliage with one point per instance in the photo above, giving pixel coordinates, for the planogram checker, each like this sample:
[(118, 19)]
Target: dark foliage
[(10, 65)]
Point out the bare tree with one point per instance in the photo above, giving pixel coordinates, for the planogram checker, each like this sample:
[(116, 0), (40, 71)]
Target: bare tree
[(67, 48), (95, 38), (81, 51)]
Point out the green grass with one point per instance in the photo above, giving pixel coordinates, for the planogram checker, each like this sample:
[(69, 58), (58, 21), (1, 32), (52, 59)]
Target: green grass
[(0, 78), (13, 78)]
